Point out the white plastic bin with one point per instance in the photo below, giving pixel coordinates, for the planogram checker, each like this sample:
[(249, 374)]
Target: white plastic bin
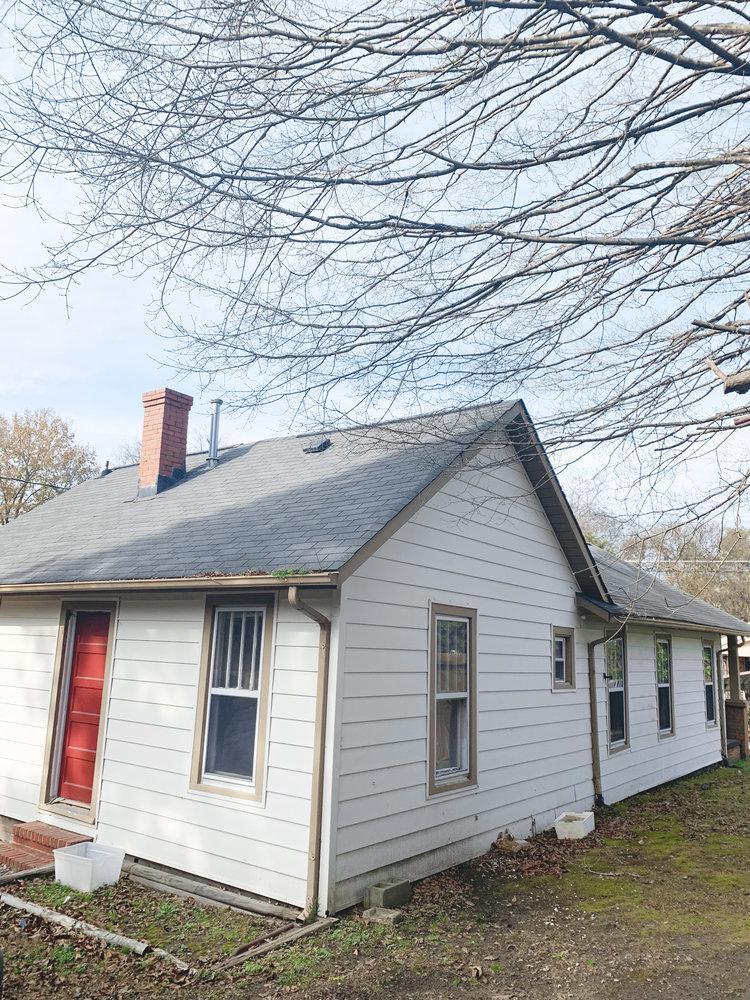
[(574, 826), (113, 858), (87, 866)]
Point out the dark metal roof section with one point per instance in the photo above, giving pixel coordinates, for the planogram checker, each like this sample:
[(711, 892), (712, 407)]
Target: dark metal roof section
[(533, 457)]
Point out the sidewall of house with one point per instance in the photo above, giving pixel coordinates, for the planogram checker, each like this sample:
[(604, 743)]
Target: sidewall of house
[(28, 641), (471, 548), (650, 759), (145, 803)]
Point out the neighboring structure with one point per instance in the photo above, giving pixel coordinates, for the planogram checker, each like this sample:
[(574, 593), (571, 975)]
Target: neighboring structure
[(330, 659), (743, 658)]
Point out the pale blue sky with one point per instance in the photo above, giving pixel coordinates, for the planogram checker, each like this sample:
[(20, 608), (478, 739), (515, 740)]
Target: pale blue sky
[(90, 355)]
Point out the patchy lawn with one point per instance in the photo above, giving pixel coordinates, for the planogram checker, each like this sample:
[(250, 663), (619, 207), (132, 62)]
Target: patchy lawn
[(656, 904), (192, 932)]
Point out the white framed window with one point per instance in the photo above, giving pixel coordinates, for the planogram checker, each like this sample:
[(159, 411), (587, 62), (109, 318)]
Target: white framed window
[(453, 687), (563, 658), (615, 673), (234, 688), (664, 691), (709, 683)]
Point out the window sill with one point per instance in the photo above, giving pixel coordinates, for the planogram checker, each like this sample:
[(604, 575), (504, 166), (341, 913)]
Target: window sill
[(559, 686), (667, 734), (618, 748), (249, 794), (448, 786)]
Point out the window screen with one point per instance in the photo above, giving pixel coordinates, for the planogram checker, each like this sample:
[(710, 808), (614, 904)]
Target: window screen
[(233, 693)]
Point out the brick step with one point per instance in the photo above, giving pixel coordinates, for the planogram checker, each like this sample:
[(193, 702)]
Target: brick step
[(18, 857), (45, 838)]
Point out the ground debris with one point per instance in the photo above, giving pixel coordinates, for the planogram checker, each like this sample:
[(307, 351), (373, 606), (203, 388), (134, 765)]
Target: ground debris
[(543, 854)]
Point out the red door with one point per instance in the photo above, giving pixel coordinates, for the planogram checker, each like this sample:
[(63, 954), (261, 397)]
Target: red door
[(78, 759)]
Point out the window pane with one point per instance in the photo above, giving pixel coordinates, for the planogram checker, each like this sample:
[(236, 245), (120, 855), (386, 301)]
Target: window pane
[(710, 706), (451, 751), (617, 716), (708, 664), (221, 649), (662, 662), (235, 643), (251, 651), (615, 662), (561, 659), (230, 747), (452, 655), (665, 710)]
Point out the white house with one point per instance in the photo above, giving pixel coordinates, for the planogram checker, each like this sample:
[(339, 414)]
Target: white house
[(309, 663)]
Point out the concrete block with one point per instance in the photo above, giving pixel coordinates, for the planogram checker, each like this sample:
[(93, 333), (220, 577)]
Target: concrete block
[(389, 894), (382, 915)]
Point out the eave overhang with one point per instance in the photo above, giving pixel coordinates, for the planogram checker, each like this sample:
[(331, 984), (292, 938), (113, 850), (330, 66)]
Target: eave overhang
[(533, 457), (256, 581), (622, 616)]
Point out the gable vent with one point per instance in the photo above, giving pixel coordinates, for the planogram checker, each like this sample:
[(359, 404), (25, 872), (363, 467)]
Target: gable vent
[(315, 449)]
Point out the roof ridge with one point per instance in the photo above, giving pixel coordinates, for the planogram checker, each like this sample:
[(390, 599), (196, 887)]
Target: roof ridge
[(506, 404)]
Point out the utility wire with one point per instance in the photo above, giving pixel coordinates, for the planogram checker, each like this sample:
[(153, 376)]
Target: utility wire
[(696, 562), (32, 482)]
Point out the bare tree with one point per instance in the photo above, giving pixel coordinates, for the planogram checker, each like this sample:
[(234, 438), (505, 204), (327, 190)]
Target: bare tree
[(390, 203), (708, 560), (128, 452), (39, 459)]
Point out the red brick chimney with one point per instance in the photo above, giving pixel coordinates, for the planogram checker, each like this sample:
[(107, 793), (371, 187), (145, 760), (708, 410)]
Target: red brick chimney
[(164, 441)]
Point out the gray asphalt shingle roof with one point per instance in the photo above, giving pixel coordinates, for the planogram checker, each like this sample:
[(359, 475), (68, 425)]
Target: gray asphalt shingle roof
[(635, 591), (266, 507), (269, 506)]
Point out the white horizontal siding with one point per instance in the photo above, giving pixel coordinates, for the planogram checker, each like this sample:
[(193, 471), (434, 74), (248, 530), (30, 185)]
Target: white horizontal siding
[(28, 639), (482, 542), (649, 760), (146, 804)]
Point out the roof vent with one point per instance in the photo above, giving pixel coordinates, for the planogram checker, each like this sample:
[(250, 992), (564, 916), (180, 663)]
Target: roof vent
[(314, 449), (106, 470)]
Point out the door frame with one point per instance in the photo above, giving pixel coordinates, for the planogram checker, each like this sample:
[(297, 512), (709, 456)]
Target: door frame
[(56, 719)]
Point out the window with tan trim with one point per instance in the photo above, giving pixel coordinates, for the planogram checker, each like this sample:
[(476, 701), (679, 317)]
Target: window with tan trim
[(709, 683), (616, 677), (563, 658), (452, 698), (664, 697), (229, 747)]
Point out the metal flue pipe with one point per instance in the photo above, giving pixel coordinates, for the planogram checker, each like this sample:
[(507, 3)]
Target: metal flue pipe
[(213, 441)]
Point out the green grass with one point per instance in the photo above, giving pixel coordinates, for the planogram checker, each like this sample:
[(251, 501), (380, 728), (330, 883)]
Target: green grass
[(677, 869), (321, 956), (179, 925)]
